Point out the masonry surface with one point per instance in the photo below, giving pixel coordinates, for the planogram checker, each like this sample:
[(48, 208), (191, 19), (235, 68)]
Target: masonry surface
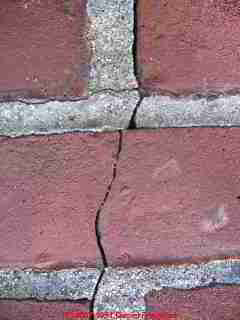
[(119, 135), (188, 193), (190, 47), (43, 50)]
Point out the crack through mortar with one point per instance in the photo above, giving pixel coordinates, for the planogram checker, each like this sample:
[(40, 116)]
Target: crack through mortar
[(132, 125), (132, 122), (97, 222)]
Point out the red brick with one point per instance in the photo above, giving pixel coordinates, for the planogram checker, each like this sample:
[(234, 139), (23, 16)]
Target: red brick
[(206, 303), (176, 197), (29, 310), (43, 51), (51, 188), (189, 46)]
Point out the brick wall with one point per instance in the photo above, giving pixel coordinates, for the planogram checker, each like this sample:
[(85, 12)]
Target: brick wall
[(119, 148)]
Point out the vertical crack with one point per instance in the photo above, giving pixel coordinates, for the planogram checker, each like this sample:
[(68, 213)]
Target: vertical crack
[(109, 188), (132, 123), (97, 222), (135, 40), (136, 70)]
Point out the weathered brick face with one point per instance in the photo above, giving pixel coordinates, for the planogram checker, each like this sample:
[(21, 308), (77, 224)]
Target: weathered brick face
[(75, 204), (43, 51), (189, 46), (175, 199), (221, 302), (51, 189)]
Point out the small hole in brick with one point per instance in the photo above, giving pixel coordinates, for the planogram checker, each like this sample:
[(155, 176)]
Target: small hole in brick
[(238, 197)]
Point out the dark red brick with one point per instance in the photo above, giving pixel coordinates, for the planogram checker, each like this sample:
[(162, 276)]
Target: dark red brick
[(29, 310), (189, 46), (51, 188), (175, 197), (205, 303), (43, 51)]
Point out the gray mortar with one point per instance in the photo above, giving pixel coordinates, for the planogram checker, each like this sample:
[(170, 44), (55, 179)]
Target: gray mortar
[(165, 111), (112, 97), (124, 289), (71, 284), (120, 289), (111, 37), (102, 112)]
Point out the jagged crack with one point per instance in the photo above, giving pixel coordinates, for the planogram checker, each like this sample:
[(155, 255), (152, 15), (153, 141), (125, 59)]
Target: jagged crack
[(97, 221), (114, 174)]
